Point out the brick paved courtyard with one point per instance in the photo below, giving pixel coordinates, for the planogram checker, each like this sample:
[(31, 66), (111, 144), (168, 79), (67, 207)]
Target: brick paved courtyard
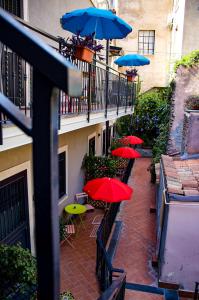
[(135, 247)]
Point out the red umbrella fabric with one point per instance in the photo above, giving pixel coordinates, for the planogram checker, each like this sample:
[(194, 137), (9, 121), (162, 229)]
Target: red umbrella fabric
[(132, 139), (126, 152), (108, 189)]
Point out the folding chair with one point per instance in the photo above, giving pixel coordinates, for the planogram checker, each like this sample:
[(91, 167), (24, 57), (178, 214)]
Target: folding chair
[(97, 219), (68, 231), (82, 198)]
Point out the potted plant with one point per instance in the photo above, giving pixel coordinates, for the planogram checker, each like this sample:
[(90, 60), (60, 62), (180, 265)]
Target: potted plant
[(67, 295), (131, 74), (80, 48)]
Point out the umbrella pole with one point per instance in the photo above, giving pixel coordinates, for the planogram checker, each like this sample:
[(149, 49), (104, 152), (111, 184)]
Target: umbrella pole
[(107, 51), (107, 79)]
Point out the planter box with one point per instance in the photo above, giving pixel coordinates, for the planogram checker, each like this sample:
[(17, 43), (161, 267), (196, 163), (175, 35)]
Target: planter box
[(84, 54), (131, 77)]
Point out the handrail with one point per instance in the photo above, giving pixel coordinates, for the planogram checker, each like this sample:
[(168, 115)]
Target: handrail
[(50, 63), (50, 70), (115, 289), (57, 39)]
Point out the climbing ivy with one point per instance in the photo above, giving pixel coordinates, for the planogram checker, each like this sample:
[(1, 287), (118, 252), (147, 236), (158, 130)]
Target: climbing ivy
[(188, 60)]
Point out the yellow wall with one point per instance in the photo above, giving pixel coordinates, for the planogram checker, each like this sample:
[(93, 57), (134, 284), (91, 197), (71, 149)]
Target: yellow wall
[(76, 142), (14, 157)]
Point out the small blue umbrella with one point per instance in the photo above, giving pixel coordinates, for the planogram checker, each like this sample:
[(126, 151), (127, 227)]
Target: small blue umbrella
[(132, 60), (103, 23)]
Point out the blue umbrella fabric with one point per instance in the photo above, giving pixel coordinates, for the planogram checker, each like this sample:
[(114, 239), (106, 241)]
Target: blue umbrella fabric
[(103, 23), (132, 60)]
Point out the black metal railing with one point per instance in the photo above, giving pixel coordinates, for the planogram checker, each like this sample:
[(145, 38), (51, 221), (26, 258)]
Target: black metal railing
[(196, 292), (50, 70), (116, 290), (104, 269), (97, 95)]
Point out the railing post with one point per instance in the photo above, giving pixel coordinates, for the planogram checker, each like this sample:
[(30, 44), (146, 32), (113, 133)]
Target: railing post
[(134, 94), (107, 78), (89, 92), (126, 95), (118, 96), (59, 95), (107, 137), (196, 293), (45, 167)]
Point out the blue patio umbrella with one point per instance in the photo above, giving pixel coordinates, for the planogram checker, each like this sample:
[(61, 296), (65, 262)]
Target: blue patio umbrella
[(103, 23), (132, 60)]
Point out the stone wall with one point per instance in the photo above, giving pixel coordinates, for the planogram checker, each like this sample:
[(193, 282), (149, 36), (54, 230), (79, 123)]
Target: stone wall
[(148, 15), (187, 84)]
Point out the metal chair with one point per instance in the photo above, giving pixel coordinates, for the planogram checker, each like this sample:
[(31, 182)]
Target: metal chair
[(69, 230), (82, 198)]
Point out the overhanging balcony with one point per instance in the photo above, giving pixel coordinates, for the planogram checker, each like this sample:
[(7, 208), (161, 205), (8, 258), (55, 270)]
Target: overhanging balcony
[(106, 93)]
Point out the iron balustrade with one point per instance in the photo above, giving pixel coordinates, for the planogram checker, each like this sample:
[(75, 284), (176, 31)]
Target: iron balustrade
[(50, 70), (104, 269), (97, 95), (116, 290)]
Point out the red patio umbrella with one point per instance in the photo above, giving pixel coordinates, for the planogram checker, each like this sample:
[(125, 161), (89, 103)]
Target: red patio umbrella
[(126, 152), (108, 189), (132, 139)]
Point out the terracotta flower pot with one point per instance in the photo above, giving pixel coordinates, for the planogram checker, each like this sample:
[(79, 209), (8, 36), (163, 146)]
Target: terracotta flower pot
[(84, 54), (131, 77)]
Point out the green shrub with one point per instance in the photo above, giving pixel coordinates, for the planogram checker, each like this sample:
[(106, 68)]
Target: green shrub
[(151, 109), (117, 143), (98, 166), (188, 60), (160, 144), (192, 102), (17, 270), (67, 295)]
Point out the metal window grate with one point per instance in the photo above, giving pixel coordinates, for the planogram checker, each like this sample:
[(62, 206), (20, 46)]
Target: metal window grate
[(14, 210), (146, 41)]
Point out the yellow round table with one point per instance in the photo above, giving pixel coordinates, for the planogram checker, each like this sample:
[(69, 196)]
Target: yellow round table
[(75, 209)]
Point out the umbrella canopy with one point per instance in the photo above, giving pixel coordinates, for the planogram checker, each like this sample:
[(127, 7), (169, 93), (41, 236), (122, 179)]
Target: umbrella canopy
[(132, 139), (126, 152), (108, 189), (132, 60), (103, 23)]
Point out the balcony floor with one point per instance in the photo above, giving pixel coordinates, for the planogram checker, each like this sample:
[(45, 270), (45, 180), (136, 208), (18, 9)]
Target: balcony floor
[(134, 250)]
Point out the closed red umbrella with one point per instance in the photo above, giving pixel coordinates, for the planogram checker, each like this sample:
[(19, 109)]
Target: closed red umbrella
[(108, 189), (132, 139), (126, 152)]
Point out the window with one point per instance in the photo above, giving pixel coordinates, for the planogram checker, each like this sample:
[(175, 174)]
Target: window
[(62, 174), (91, 146), (14, 217), (146, 41)]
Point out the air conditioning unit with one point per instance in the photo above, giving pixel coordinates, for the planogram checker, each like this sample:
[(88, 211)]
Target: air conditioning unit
[(170, 21)]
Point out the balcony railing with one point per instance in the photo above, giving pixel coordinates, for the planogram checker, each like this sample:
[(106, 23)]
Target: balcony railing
[(103, 88), (50, 71)]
